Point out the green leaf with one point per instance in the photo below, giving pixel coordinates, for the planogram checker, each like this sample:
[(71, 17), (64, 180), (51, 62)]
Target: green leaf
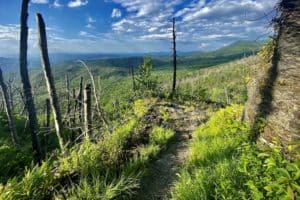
[(284, 172), (292, 167), (296, 187), (263, 155), (290, 193), (297, 176)]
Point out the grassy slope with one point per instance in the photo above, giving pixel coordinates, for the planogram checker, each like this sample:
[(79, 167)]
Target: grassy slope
[(116, 93), (224, 164), (116, 97)]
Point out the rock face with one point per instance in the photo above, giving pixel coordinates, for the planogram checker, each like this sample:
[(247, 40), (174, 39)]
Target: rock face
[(274, 94)]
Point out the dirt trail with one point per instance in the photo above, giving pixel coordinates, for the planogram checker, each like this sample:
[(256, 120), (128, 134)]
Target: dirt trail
[(161, 173)]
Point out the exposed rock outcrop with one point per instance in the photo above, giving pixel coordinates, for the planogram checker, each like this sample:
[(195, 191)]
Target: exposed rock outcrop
[(274, 94)]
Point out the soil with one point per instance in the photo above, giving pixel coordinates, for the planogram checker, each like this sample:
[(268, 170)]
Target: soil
[(162, 173)]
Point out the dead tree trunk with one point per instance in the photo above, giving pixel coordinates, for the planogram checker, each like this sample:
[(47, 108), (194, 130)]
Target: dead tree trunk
[(1, 102), (73, 118), (33, 124), (49, 79), (100, 112), (9, 113), (79, 100), (88, 111), (174, 59), (11, 93), (47, 124)]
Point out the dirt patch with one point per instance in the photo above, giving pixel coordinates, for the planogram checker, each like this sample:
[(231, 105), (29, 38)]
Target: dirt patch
[(162, 173)]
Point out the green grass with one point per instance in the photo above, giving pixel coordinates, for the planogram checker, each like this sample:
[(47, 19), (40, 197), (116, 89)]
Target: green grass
[(92, 169), (160, 136), (224, 164)]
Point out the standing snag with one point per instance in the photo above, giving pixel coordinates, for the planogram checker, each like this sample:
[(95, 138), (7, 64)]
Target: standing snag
[(49, 79), (8, 109), (174, 59), (100, 112), (88, 111), (47, 124), (78, 103), (28, 97)]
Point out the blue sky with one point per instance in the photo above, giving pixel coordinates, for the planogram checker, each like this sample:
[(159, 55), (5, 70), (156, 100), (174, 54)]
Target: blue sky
[(127, 26)]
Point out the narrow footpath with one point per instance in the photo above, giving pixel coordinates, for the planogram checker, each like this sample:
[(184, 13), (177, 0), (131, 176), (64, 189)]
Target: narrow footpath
[(162, 173)]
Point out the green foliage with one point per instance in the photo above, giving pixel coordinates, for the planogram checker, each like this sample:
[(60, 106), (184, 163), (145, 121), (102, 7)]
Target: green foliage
[(97, 157), (145, 82), (166, 116), (94, 188), (13, 161), (141, 106), (266, 52), (142, 157), (105, 167), (160, 136), (36, 184), (223, 85), (223, 164), (269, 175)]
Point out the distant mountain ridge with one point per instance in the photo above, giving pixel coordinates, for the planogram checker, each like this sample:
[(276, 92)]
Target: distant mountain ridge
[(8, 64), (233, 51)]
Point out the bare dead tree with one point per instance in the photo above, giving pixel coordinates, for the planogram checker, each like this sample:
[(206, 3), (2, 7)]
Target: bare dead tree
[(78, 102), (9, 113), (174, 59), (49, 79), (11, 93), (47, 124), (73, 118), (99, 110), (29, 101), (1, 102), (88, 111), (22, 100)]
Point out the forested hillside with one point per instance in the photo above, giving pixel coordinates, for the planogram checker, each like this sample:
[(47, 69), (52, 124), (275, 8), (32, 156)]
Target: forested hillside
[(182, 126)]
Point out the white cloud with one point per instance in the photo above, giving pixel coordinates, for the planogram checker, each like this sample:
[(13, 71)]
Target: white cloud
[(200, 24), (225, 9), (57, 4), (89, 26), (77, 3), (146, 19), (143, 8), (39, 1), (91, 20), (147, 26), (9, 39), (116, 13), (9, 32)]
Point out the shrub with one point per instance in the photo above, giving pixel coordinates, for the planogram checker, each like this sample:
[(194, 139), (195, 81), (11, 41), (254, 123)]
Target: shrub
[(145, 82), (160, 136), (140, 160), (36, 184), (13, 161), (90, 157), (95, 187)]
